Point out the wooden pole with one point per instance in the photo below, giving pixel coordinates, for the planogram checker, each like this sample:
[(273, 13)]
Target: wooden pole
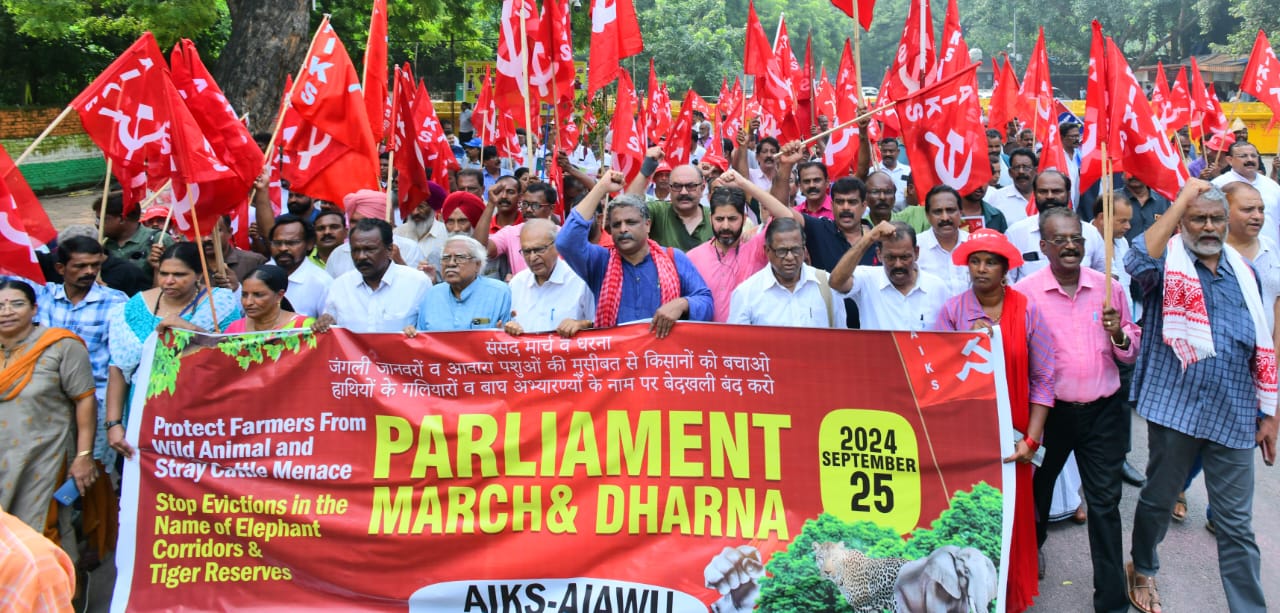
[(204, 264), (857, 53), (165, 228), (102, 207), (524, 73), (879, 109), (391, 141), (219, 261), (1108, 232), (32, 147)]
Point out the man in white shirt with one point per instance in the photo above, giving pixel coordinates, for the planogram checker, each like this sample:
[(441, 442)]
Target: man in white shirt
[(370, 204), (1121, 220), (1243, 158), (898, 172), (942, 208), (1012, 199), (547, 295), (1052, 189), (895, 296), (425, 230), (788, 292), (379, 295), (292, 238)]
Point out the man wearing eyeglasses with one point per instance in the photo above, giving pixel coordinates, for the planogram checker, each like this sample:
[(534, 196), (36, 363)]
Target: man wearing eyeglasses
[(1088, 415), (547, 295), (787, 292), (292, 238), (466, 300), (539, 202), (1052, 190), (684, 222)]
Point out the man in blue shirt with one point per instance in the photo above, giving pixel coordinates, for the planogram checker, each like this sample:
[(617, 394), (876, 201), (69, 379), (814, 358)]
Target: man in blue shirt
[(466, 300), (1208, 405), (636, 278)]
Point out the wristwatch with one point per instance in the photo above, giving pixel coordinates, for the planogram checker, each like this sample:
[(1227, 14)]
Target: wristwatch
[(111, 424)]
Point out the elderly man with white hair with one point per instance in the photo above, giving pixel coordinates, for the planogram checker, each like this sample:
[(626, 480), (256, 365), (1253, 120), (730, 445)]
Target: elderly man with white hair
[(466, 300), (547, 294)]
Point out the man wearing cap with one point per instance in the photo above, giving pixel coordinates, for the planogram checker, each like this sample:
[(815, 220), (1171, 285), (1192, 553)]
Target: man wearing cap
[(471, 148), (1212, 163), (1239, 130), (1092, 330), (636, 278), (423, 228), (539, 203), (659, 188), (1244, 163), (370, 204), (711, 166), (154, 217), (1052, 190), (1209, 387)]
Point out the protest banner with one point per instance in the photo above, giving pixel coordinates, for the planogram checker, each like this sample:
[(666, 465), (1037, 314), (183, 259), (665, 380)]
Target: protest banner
[(723, 467)]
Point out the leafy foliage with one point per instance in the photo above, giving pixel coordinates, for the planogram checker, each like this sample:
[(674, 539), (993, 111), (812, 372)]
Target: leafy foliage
[(256, 348), (167, 362), (794, 583)]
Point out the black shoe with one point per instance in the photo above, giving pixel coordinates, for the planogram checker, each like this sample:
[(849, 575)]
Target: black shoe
[(1040, 553), (1132, 476), (1208, 525)]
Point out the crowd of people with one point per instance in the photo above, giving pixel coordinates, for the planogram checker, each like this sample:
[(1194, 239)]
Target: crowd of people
[(1181, 327)]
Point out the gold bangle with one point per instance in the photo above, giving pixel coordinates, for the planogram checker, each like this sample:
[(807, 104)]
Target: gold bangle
[(81, 454)]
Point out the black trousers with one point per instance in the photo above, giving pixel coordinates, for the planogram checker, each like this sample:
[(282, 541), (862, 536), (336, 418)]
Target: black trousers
[(1099, 434)]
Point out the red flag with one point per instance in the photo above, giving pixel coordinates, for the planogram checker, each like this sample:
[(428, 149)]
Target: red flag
[(1207, 117), (555, 37), (407, 156), (201, 182), (485, 115), (513, 88), (228, 136), (786, 60), (509, 145), (32, 214), (568, 129), (375, 69), (731, 106), (17, 246), (825, 99), (955, 52), (1140, 141), (1162, 101), (804, 89), (679, 140), (1004, 100), (887, 118), (915, 58), (1037, 93), (615, 35), (431, 140), (657, 109), (772, 86), (334, 151), (866, 10), (841, 152), (1180, 100), (1097, 114), (943, 134), (1052, 155), (627, 152), (1262, 76)]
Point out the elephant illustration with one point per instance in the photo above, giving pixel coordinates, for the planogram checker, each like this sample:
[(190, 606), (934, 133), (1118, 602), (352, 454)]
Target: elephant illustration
[(950, 580)]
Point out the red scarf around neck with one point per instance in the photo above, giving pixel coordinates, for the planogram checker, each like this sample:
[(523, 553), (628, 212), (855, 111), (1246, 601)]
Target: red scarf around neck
[(611, 288)]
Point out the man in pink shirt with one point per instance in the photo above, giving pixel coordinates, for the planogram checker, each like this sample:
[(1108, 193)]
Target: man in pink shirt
[(539, 203), (1088, 416), (728, 259)]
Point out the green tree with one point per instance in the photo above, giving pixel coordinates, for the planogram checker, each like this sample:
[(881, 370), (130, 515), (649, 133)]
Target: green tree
[(691, 43)]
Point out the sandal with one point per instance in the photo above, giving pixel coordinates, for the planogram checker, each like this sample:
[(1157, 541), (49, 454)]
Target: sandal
[(1150, 601), (1180, 508)]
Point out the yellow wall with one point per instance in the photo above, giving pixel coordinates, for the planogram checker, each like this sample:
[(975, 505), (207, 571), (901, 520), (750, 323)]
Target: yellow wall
[(1255, 116)]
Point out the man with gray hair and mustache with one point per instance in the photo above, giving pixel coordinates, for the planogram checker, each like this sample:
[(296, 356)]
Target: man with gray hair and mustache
[(1206, 383), (466, 300), (636, 278)]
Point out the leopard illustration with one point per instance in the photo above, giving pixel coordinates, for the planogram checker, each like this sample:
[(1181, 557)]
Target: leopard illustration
[(865, 582)]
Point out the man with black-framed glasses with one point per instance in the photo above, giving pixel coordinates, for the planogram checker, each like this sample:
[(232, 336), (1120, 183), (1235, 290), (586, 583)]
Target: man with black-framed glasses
[(539, 202), (1052, 189)]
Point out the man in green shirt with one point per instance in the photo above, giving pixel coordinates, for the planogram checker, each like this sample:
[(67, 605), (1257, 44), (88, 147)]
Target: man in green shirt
[(127, 238)]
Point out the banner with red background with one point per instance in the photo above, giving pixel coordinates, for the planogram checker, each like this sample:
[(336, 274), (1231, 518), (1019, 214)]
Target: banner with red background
[(723, 468)]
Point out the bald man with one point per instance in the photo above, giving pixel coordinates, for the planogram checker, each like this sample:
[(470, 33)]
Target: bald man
[(547, 295)]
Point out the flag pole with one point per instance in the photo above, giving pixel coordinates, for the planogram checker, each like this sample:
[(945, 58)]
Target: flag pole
[(524, 73), (168, 217), (32, 147), (1108, 213), (102, 208), (204, 264), (219, 262), (391, 141), (857, 52), (879, 109)]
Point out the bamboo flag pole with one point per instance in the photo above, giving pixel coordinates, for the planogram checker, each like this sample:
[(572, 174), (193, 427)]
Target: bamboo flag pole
[(102, 207), (220, 262), (204, 263), (857, 52), (879, 109), (524, 74), (1108, 230), (32, 147), (391, 141)]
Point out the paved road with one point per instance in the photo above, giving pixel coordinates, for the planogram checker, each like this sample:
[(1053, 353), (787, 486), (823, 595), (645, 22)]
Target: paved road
[(1188, 581)]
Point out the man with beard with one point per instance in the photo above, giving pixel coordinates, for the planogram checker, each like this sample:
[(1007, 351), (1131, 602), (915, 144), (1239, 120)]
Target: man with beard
[(896, 171), (423, 228), (297, 204), (539, 203), (1013, 200), (466, 300), (1088, 415), (787, 292), (547, 295), (504, 197), (1208, 388), (896, 296), (683, 223), (727, 260), (370, 204), (1243, 158), (1147, 205), (942, 238), (636, 278), (291, 239), (331, 233), (1052, 189), (81, 305), (379, 295)]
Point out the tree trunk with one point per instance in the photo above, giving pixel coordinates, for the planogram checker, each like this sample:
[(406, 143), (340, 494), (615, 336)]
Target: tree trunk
[(268, 41)]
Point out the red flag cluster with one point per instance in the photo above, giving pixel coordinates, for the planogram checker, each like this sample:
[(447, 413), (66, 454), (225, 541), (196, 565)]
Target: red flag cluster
[(419, 149)]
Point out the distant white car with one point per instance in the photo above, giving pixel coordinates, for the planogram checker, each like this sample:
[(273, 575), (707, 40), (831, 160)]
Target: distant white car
[(870, 92)]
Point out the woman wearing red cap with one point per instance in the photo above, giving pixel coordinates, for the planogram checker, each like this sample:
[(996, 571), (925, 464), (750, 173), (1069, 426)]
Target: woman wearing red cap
[(1028, 360)]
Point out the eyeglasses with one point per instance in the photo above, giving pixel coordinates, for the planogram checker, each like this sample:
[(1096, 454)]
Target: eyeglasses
[(456, 259), (1022, 167), (15, 305), (533, 206), (1063, 241), (1203, 220), (786, 252), (532, 251), (287, 243), (682, 187)]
